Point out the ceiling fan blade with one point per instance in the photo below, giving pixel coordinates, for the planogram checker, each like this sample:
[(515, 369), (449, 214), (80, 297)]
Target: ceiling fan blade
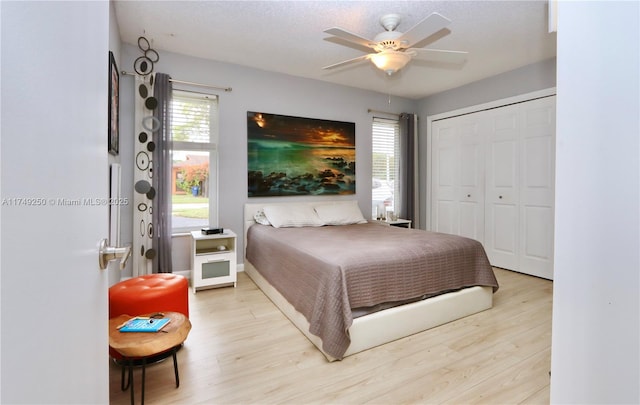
[(439, 55), (348, 61), (348, 44), (425, 28), (350, 36)]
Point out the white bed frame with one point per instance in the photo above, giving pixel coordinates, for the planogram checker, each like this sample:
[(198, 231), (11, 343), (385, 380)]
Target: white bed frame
[(382, 326)]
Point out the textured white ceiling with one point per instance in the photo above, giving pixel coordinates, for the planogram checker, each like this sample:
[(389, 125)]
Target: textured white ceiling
[(288, 37)]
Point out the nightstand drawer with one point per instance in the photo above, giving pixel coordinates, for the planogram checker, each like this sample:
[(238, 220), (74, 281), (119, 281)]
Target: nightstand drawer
[(213, 269)]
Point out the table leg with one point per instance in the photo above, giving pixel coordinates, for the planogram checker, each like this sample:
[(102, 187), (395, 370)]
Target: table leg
[(130, 383), (144, 366), (175, 365), (122, 386)]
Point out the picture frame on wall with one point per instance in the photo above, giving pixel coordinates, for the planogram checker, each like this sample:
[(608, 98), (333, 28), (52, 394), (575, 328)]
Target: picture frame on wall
[(114, 107), (293, 156)]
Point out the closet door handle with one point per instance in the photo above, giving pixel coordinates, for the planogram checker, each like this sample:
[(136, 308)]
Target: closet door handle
[(500, 197)]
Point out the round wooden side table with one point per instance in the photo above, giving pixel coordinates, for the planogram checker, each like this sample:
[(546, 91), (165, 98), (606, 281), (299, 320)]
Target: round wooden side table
[(140, 346)]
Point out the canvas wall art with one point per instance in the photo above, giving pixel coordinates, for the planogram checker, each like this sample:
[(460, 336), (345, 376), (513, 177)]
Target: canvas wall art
[(299, 156)]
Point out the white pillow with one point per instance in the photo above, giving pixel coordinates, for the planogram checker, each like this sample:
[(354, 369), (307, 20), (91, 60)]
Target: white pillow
[(340, 213), (260, 218), (291, 216)]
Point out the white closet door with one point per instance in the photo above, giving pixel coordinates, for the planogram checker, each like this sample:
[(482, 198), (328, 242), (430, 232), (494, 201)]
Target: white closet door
[(445, 215), (471, 191), (502, 183), (493, 179), (458, 170), (537, 185), (519, 213)]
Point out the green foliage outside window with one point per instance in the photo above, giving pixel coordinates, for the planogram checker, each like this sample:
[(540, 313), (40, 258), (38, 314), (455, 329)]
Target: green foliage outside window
[(193, 176)]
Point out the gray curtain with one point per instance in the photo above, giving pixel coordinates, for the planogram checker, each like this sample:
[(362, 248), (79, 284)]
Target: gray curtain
[(407, 181), (162, 166)]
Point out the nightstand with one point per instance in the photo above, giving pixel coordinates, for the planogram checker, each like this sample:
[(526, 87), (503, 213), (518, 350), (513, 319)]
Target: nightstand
[(213, 260), (400, 223)]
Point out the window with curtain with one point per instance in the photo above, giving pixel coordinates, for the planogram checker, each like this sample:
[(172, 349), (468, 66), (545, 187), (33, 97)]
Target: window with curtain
[(194, 139), (384, 168)]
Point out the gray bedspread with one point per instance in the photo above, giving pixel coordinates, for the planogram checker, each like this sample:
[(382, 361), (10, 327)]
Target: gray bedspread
[(325, 272)]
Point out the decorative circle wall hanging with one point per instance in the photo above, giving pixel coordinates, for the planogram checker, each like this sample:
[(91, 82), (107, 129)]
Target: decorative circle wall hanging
[(143, 66), (155, 123), (143, 91), (152, 55), (151, 103), (151, 194), (143, 44), (143, 187), (146, 124), (142, 161)]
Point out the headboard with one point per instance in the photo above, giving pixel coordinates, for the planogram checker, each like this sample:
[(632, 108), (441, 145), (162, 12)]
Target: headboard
[(250, 210)]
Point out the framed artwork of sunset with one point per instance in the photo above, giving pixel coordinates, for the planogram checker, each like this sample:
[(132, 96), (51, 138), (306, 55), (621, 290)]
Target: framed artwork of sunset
[(299, 156)]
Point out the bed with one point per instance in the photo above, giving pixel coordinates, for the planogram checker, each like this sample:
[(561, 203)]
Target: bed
[(350, 284)]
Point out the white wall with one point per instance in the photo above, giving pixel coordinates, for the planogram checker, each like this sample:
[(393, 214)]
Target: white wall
[(596, 310), (527, 79), (254, 90)]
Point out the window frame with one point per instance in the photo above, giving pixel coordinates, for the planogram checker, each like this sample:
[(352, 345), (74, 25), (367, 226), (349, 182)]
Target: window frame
[(392, 128), (211, 147)]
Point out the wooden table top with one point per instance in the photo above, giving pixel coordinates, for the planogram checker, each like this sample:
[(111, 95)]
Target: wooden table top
[(145, 344)]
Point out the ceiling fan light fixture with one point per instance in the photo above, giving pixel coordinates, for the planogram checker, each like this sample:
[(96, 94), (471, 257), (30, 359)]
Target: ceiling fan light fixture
[(390, 61)]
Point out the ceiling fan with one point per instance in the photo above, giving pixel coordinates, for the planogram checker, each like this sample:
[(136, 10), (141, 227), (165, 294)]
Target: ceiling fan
[(393, 49)]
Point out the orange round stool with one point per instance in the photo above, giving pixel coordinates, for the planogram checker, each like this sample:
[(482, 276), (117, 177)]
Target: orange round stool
[(150, 293), (162, 292)]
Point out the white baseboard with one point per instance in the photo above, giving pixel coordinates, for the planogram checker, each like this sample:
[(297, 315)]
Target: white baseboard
[(186, 273)]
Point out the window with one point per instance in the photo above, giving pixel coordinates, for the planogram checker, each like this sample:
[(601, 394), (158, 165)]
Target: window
[(194, 185), (384, 168)]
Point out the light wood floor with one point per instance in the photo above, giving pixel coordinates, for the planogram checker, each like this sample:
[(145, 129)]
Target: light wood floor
[(242, 350)]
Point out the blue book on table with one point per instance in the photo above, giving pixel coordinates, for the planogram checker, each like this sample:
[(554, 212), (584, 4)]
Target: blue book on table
[(144, 325)]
